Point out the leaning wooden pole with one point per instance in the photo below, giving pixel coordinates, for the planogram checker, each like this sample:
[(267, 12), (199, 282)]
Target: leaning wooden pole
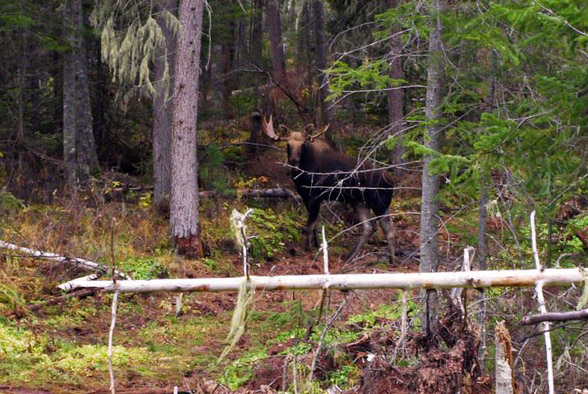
[(543, 309), (429, 280)]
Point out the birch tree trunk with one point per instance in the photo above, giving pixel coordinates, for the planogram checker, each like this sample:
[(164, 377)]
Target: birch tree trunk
[(79, 147), (163, 111), (184, 219), (274, 28), (429, 251), (396, 97)]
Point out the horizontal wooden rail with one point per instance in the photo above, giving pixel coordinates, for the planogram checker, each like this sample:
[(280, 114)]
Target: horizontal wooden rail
[(436, 280)]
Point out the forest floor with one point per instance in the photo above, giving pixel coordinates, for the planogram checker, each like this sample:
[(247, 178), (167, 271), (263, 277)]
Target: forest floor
[(62, 348), (355, 342)]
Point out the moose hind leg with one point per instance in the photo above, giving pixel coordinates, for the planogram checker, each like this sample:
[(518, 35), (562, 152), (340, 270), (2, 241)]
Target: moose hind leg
[(388, 228), (311, 232), (365, 220)]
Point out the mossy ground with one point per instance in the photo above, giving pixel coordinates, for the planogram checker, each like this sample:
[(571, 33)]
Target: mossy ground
[(62, 348)]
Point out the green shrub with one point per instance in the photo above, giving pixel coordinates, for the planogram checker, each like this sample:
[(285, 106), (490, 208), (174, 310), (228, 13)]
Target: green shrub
[(144, 268)]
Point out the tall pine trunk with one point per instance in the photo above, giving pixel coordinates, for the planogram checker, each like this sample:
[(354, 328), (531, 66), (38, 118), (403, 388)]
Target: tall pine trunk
[(396, 96), (304, 45), (22, 73), (255, 59), (227, 65), (321, 62), (163, 111), (184, 217), (255, 45), (274, 28), (79, 147), (429, 250)]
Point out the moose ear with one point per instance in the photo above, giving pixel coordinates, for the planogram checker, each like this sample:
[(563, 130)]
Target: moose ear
[(312, 137)]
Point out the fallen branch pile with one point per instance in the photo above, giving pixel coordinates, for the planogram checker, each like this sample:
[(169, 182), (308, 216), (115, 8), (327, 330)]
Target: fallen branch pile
[(74, 261)]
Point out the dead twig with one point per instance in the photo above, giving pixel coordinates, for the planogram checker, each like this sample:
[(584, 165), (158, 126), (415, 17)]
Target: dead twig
[(554, 316), (110, 339)]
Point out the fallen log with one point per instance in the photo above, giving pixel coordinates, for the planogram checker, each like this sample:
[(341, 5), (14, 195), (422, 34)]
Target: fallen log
[(278, 192), (554, 316), (406, 281)]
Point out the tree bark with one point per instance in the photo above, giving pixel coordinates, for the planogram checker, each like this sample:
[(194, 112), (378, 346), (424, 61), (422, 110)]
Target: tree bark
[(227, 64), (22, 73), (184, 219), (304, 45), (255, 49), (504, 362), (274, 28), (396, 97), (78, 136), (321, 62), (429, 250), (163, 112)]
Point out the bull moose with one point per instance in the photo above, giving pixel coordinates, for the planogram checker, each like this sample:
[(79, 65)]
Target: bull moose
[(321, 173)]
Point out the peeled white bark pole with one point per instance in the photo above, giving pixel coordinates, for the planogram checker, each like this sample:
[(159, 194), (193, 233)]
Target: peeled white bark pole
[(542, 308), (428, 280)]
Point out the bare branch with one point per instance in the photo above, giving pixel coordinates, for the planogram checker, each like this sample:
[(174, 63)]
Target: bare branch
[(554, 316)]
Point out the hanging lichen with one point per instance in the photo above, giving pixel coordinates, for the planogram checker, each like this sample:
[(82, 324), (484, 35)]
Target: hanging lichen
[(131, 36)]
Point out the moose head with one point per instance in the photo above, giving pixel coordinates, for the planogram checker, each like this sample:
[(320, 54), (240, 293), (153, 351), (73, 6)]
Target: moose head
[(296, 140)]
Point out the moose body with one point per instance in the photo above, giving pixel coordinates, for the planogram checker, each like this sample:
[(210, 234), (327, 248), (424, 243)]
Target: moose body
[(320, 173)]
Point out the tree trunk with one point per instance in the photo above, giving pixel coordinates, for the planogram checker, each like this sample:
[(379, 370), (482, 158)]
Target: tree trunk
[(100, 97), (78, 136), (304, 56), (429, 251), (504, 375), (255, 49), (321, 62), (396, 97), (20, 136), (274, 28), (227, 62), (184, 219), (163, 112)]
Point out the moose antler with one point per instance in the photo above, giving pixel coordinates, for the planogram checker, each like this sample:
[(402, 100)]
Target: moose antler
[(268, 128), (312, 137)]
